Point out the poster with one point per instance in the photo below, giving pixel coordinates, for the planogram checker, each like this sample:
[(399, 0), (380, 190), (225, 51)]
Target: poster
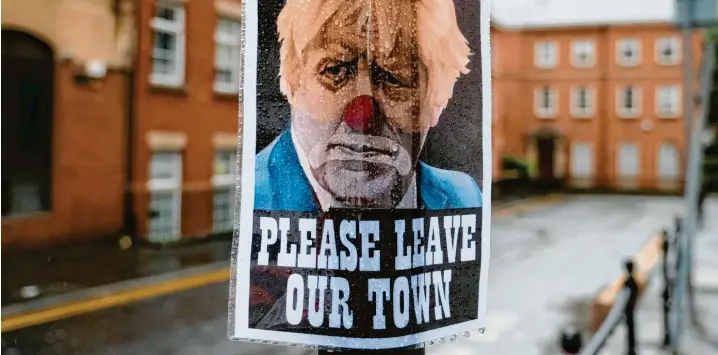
[(363, 207)]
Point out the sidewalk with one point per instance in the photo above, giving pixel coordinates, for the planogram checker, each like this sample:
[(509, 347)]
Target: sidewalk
[(29, 276), (700, 339)]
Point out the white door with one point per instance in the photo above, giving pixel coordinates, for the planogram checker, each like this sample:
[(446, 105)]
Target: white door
[(165, 187)]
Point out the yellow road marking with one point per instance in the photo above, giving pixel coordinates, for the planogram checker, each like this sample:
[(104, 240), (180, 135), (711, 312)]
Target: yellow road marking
[(643, 263), (70, 309)]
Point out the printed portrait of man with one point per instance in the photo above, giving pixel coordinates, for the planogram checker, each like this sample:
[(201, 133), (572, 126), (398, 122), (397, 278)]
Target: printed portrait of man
[(366, 82)]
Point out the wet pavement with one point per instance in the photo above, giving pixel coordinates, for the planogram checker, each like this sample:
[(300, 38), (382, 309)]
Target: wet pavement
[(34, 275), (546, 265)]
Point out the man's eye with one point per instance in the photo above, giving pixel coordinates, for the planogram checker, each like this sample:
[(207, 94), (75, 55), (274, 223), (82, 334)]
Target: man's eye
[(337, 72), (386, 77), (391, 80)]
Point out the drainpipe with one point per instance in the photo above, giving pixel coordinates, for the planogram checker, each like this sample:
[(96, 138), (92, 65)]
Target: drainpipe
[(604, 93), (129, 218)]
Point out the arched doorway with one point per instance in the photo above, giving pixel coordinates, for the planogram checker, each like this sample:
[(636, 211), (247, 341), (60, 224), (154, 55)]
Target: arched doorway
[(27, 112)]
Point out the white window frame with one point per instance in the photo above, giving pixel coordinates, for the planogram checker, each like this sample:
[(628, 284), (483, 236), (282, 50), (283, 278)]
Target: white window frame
[(587, 112), (673, 176), (223, 183), (176, 27), (675, 92), (673, 41), (621, 45), (545, 112), (621, 109), (231, 40), (172, 185), (589, 46), (551, 48), (583, 168), (620, 164)]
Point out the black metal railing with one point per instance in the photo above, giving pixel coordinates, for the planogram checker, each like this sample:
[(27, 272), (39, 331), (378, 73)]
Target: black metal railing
[(623, 308), (622, 311)]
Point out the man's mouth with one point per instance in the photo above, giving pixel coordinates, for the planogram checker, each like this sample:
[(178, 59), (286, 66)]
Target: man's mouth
[(363, 146), (364, 150), (359, 152)]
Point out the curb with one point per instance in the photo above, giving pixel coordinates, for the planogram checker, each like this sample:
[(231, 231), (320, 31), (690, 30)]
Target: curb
[(527, 205)]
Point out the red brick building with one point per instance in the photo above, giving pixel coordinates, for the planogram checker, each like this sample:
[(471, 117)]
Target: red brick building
[(591, 95), (184, 122), (120, 117), (65, 78)]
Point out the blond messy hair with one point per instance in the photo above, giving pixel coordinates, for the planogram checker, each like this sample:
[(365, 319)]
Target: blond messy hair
[(442, 47)]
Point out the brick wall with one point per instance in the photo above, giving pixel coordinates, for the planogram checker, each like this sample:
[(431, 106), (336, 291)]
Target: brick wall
[(193, 109), (516, 77)]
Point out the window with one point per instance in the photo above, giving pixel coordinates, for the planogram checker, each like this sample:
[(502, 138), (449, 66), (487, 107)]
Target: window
[(581, 160), (545, 102), (668, 101), (225, 163), (629, 101), (628, 52), (168, 46), (669, 169), (546, 54), (227, 58), (668, 50), (582, 101), (628, 161), (582, 54), (165, 187)]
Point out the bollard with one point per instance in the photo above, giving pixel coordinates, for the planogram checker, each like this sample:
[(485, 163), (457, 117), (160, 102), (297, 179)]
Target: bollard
[(666, 295), (629, 311), (571, 341)]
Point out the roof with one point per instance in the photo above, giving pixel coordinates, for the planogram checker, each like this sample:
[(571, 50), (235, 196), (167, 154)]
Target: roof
[(568, 13)]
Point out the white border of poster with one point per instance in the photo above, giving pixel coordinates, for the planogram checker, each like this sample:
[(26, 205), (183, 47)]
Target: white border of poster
[(240, 263)]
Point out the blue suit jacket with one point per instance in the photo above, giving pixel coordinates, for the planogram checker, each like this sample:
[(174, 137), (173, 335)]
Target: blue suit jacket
[(280, 183)]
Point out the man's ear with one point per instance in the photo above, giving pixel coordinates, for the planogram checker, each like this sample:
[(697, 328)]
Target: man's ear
[(286, 89)]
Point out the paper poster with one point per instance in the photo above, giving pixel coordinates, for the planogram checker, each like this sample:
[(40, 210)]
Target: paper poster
[(364, 204)]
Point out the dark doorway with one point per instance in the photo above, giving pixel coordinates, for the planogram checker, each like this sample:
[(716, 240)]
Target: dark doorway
[(546, 156), (27, 112)]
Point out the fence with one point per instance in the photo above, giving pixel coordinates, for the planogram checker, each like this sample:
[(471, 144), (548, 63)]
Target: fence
[(623, 309)]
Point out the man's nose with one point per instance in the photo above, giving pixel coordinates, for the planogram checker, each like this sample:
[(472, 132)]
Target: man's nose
[(363, 79), (361, 114)]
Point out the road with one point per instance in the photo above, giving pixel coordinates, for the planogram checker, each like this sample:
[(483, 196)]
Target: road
[(545, 265)]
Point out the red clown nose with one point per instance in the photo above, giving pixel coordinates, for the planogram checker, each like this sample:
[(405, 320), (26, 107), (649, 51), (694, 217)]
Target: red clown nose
[(359, 113)]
